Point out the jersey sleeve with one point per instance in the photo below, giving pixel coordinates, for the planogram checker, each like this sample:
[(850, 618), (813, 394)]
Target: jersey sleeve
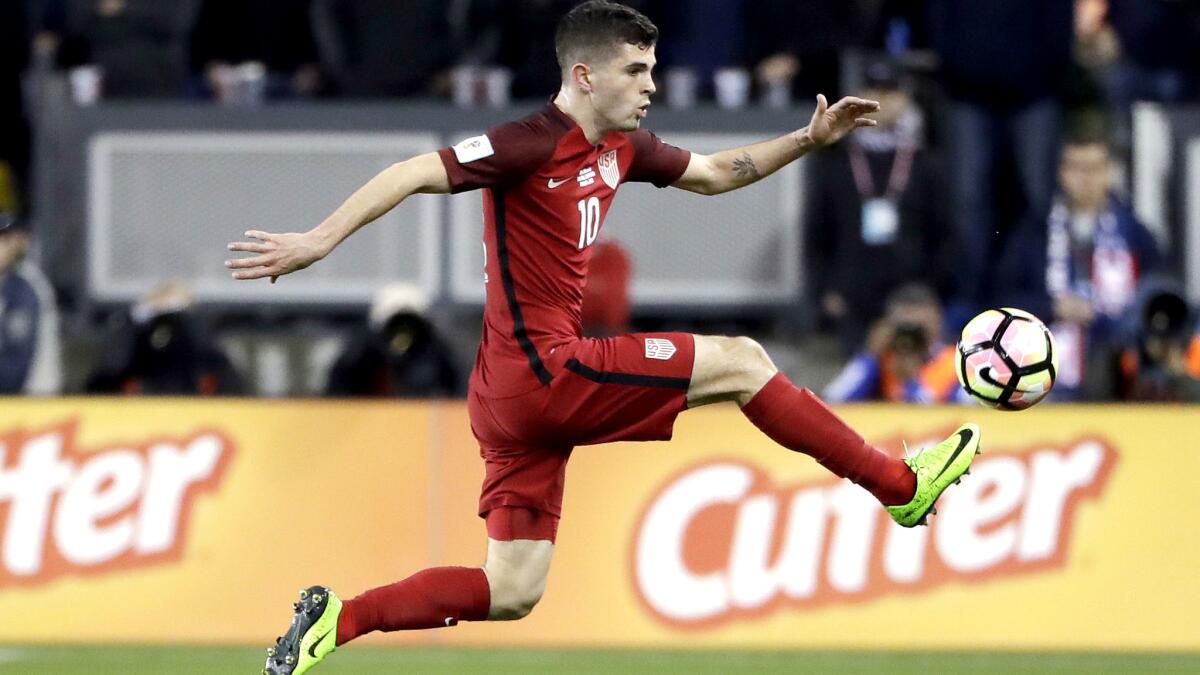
[(654, 161), (504, 156)]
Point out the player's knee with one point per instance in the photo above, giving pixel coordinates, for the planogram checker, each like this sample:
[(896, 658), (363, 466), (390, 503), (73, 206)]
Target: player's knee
[(753, 352), (516, 572), (749, 357), (514, 599)]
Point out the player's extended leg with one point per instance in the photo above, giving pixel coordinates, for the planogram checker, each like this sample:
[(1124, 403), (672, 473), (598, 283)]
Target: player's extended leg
[(506, 588), (738, 369)]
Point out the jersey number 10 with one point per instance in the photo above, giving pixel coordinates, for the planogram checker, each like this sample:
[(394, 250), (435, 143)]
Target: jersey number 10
[(589, 221)]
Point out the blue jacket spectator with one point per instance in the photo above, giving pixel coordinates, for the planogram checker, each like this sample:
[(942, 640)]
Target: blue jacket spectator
[(29, 351), (1079, 270), (1050, 259)]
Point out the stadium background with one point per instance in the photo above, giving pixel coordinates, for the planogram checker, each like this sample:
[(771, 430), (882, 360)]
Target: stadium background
[(160, 534)]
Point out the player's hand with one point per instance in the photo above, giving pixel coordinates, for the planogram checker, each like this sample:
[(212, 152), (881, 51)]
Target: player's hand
[(830, 123), (277, 254)]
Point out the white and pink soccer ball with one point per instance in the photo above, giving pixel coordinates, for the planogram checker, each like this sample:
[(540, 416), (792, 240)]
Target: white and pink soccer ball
[(1006, 359)]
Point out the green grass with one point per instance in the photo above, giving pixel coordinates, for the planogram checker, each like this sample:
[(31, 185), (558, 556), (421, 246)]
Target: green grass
[(366, 661)]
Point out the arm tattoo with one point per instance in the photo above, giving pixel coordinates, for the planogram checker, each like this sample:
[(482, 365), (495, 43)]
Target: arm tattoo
[(743, 167)]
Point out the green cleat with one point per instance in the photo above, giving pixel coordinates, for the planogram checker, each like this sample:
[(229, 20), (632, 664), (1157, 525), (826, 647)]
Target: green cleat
[(937, 468), (310, 638)]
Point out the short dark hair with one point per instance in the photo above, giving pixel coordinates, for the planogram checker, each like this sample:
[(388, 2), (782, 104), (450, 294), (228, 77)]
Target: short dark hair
[(1087, 127), (597, 26), (1078, 139)]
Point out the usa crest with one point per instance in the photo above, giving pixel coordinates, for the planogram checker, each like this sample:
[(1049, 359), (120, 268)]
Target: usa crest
[(659, 349), (609, 170)]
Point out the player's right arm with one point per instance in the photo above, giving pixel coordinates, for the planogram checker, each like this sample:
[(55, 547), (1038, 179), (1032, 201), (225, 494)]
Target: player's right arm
[(279, 254)]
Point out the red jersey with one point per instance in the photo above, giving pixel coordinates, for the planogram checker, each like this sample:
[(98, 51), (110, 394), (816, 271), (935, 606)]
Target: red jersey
[(546, 192)]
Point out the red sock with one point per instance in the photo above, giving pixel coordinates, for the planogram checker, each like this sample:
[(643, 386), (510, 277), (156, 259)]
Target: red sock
[(798, 420), (432, 598)]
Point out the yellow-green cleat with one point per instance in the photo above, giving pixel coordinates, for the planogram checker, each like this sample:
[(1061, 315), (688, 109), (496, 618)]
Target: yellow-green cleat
[(311, 637), (937, 468)]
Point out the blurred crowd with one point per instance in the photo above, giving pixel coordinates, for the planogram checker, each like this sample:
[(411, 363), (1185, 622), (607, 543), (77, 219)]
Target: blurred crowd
[(995, 176)]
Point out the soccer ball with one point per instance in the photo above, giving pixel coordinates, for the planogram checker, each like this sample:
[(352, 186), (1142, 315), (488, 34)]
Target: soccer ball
[(1006, 359)]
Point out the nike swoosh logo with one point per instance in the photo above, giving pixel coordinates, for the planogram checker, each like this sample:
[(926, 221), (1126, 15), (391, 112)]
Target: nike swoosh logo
[(964, 437), (553, 183), (312, 651)]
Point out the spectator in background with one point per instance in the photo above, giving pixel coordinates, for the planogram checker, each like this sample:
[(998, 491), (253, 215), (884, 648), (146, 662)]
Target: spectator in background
[(400, 354), (1142, 50), (875, 218), (699, 37), (1003, 65), (274, 33), (905, 359), (522, 40), (162, 350), (383, 48), (30, 359), (1079, 267), (896, 26), (800, 42), (14, 129), (139, 46)]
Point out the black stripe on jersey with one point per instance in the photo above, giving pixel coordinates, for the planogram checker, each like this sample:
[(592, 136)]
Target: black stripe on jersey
[(535, 360), (602, 377)]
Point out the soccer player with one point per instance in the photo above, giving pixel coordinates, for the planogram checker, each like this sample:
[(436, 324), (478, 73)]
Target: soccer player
[(539, 388)]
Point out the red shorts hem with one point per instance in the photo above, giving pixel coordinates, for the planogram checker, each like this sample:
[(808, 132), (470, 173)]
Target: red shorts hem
[(506, 523)]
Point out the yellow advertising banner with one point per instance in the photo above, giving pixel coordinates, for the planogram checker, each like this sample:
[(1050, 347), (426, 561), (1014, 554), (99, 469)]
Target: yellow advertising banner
[(196, 521)]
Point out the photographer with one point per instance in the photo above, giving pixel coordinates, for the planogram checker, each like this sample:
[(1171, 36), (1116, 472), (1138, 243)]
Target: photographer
[(162, 350), (1153, 366), (905, 359), (398, 354)]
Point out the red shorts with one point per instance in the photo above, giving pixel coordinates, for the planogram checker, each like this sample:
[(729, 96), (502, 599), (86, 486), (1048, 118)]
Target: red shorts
[(625, 388)]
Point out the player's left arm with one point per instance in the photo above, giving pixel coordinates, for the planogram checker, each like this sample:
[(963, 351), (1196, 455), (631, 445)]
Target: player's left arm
[(739, 167)]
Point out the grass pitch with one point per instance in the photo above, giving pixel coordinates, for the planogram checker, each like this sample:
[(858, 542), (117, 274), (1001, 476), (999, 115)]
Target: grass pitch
[(38, 660)]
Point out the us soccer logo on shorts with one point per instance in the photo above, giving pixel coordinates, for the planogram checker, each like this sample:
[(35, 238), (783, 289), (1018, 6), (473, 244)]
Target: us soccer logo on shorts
[(658, 348), (609, 170)]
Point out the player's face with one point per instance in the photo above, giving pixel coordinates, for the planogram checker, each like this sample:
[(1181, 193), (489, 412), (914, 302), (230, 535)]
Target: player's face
[(622, 86)]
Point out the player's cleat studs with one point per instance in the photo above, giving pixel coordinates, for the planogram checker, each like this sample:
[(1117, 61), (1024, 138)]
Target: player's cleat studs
[(289, 659), (318, 597), (303, 593), (270, 652)]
